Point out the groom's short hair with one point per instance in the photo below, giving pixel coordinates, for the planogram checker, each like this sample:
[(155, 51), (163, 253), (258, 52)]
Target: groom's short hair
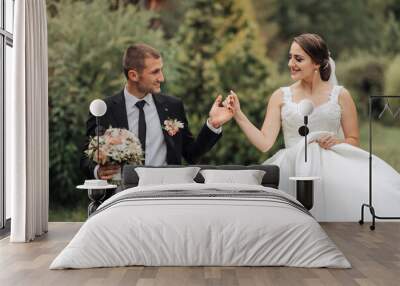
[(135, 55)]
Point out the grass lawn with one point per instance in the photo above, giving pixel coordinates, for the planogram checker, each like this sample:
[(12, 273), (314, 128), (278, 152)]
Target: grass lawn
[(385, 142), (78, 213)]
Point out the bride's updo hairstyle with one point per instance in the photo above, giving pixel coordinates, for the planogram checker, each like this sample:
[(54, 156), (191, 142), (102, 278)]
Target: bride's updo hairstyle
[(317, 49)]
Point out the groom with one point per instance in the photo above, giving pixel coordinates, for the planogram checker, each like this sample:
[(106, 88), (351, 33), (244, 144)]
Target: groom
[(142, 109)]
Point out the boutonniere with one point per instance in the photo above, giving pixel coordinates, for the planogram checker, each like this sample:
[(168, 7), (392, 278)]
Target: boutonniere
[(172, 126)]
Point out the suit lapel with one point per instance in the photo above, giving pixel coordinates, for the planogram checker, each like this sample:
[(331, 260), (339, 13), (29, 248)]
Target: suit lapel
[(163, 113), (118, 111)]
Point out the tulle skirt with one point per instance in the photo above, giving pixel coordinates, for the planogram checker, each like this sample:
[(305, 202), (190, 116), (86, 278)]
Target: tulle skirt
[(344, 180)]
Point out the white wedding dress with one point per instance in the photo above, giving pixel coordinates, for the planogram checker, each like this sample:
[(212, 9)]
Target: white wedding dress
[(344, 169)]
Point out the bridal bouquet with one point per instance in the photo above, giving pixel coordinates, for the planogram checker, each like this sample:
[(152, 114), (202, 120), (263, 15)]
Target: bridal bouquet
[(115, 146)]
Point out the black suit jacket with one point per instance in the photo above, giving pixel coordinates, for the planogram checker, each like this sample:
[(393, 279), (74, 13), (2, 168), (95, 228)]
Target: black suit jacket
[(182, 144)]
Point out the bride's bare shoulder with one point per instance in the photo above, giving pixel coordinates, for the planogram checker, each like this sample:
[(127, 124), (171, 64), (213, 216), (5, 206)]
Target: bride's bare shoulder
[(277, 97), (344, 92), (345, 97)]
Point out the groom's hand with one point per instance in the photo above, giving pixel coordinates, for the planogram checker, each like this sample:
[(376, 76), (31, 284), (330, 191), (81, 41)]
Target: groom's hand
[(106, 172), (219, 114)]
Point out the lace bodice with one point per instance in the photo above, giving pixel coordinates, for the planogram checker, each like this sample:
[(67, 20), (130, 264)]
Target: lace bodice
[(325, 117)]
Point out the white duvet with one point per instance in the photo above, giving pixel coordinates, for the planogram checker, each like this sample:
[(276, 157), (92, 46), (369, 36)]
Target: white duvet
[(183, 231)]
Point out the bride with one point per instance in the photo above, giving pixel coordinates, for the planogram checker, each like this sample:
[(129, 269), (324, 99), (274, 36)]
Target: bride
[(333, 143)]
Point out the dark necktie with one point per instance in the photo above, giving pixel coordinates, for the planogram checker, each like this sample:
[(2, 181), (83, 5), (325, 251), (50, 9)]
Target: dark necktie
[(142, 125)]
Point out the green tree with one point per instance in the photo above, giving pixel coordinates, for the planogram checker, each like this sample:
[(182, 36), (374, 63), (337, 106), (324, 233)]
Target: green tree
[(347, 26), (363, 74), (86, 42), (390, 37), (220, 50), (392, 75)]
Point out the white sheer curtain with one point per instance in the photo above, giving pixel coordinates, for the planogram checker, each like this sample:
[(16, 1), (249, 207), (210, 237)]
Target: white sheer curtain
[(27, 167)]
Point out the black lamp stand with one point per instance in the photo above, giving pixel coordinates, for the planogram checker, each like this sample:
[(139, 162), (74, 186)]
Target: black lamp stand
[(370, 204), (303, 131)]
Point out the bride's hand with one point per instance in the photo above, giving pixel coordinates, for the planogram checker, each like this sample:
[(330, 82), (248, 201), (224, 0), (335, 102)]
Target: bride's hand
[(234, 103), (327, 141)]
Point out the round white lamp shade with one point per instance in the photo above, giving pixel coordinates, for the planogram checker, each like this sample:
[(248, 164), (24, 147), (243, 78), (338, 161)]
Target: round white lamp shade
[(98, 107), (305, 107)]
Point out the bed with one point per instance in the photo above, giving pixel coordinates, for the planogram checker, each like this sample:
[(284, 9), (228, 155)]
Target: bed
[(201, 224)]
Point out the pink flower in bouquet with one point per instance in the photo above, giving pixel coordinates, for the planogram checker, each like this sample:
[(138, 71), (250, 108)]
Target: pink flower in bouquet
[(113, 140), (100, 156)]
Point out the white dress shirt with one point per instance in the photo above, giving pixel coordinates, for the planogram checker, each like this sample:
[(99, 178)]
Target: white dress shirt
[(156, 149)]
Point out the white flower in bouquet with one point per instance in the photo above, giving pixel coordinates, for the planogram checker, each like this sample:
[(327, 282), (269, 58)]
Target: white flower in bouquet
[(117, 146)]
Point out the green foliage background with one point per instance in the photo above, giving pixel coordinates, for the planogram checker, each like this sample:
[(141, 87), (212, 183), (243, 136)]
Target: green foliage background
[(86, 42), (220, 50), (209, 48)]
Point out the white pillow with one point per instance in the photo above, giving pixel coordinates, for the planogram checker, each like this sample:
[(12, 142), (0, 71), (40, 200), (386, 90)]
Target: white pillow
[(164, 176), (248, 177)]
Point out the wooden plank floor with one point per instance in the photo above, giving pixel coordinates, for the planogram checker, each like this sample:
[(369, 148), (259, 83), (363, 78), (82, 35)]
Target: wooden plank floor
[(374, 255)]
